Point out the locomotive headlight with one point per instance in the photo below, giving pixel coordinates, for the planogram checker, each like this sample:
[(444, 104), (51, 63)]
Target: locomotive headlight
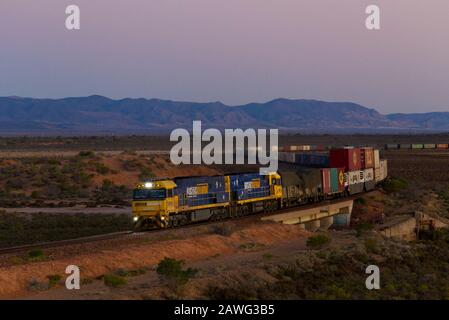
[(135, 219), (148, 185)]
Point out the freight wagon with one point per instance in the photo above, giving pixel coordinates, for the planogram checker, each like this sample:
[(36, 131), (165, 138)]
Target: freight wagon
[(405, 146), (391, 146), (442, 146), (417, 146), (302, 185), (429, 146)]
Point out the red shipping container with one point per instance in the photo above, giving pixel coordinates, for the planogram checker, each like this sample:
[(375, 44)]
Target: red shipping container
[(367, 158), (349, 159), (326, 180)]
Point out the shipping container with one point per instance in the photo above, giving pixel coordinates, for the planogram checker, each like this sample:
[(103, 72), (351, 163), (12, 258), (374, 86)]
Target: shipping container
[(326, 180), (312, 159), (392, 146), (377, 174), (337, 180), (289, 148), (405, 146), (376, 158), (349, 159), (429, 146), (286, 157), (299, 184), (370, 182), (417, 146), (355, 185), (197, 191), (383, 169), (302, 148), (246, 186), (366, 158), (442, 146)]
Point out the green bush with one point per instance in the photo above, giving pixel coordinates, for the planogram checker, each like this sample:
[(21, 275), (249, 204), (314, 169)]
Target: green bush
[(223, 229), (371, 245), (145, 174), (392, 185), (36, 255), (363, 227), (86, 154), (171, 270), (53, 280), (112, 280), (318, 241)]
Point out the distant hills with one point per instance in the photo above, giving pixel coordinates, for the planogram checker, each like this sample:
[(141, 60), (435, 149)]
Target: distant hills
[(101, 115)]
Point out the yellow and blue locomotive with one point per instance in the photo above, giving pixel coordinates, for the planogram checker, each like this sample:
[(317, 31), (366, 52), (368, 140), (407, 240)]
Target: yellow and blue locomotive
[(179, 201)]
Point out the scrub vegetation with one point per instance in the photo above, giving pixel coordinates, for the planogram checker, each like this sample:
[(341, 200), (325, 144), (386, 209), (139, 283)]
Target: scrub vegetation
[(26, 229)]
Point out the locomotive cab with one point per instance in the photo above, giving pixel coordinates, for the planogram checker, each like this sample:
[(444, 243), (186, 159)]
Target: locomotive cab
[(152, 203)]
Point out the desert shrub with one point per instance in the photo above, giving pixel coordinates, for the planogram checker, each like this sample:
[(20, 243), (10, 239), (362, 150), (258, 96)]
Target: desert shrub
[(129, 273), (223, 229), (101, 168), (392, 185), (53, 280), (36, 285), (86, 154), (171, 271), (18, 229), (130, 165), (16, 183), (371, 245), (363, 227), (113, 280), (318, 241), (145, 174), (36, 255)]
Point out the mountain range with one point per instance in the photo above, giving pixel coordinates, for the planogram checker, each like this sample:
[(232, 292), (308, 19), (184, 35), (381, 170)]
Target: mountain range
[(100, 115)]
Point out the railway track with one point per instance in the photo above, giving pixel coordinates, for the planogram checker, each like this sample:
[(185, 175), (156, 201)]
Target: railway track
[(132, 234)]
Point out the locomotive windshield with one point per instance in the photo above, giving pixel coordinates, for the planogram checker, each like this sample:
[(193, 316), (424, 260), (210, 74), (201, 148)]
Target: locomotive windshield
[(149, 194)]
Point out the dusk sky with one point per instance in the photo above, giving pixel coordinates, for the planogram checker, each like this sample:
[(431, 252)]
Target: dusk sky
[(234, 51)]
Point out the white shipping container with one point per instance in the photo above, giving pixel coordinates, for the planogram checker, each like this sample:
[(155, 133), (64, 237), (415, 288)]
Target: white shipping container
[(361, 176), (369, 174), (376, 158), (354, 177), (383, 169), (377, 174)]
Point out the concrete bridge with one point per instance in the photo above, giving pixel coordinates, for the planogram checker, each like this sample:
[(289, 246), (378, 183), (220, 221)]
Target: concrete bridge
[(319, 217)]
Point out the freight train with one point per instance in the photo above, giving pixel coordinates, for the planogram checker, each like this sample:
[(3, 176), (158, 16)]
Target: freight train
[(165, 203), (415, 146)]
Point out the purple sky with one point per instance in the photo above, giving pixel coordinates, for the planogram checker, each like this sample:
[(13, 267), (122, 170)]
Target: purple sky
[(234, 51)]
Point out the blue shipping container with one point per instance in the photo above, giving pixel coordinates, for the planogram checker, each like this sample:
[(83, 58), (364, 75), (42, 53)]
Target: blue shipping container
[(312, 160)]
